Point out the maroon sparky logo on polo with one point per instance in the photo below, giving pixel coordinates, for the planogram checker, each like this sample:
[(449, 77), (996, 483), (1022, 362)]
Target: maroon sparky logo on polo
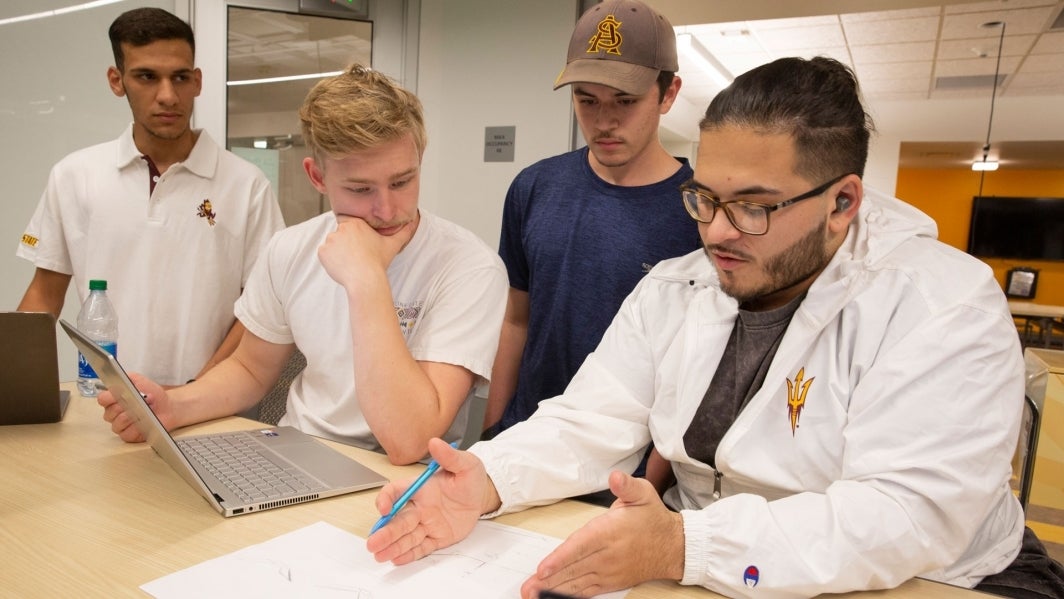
[(205, 211)]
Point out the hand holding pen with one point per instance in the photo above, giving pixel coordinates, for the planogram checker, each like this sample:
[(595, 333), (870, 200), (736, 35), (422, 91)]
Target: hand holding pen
[(447, 507), (417, 484)]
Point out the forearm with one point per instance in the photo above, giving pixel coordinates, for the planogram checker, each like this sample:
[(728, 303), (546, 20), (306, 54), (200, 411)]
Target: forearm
[(507, 366), (227, 389), (400, 403), (504, 371)]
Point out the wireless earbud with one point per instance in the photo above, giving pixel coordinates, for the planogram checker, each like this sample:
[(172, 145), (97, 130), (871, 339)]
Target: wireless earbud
[(842, 203)]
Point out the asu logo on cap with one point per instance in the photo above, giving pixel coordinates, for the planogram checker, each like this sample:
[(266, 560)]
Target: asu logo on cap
[(607, 37), (621, 44)]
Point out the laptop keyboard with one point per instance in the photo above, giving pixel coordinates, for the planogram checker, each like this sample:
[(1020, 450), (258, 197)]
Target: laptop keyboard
[(237, 462)]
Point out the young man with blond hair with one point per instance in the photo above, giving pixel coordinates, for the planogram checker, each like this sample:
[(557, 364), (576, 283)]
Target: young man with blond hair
[(397, 311)]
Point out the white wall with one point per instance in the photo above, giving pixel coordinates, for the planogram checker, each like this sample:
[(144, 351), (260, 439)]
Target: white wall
[(486, 63)]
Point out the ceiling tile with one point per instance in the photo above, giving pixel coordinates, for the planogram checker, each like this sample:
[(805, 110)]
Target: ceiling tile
[(958, 94), (1019, 21), (891, 15), (920, 71), (1042, 63), (793, 38), (881, 53), (880, 86), (1048, 82), (798, 22), (975, 66), (996, 5), (1049, 43), (1014, 45), (892, 31), (896, 96)]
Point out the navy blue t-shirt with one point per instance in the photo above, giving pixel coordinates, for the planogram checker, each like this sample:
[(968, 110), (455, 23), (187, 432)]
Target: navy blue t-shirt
[(578, 245)]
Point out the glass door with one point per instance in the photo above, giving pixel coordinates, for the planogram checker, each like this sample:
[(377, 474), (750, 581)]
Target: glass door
[(273, 59)]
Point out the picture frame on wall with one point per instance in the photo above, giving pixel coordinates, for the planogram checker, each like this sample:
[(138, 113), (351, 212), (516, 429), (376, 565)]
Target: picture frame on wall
[(1021, 283)]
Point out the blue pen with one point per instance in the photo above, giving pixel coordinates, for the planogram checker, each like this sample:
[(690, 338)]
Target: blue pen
[(421, 480)]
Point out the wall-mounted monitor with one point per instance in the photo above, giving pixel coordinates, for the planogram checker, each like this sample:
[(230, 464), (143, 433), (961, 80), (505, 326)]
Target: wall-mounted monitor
[(1017, 228)]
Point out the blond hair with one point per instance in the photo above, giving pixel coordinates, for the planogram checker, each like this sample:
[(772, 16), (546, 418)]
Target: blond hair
[(358, 110)]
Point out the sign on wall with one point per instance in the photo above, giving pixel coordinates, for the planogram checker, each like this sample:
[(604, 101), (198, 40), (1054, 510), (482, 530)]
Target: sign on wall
[(499, 144)]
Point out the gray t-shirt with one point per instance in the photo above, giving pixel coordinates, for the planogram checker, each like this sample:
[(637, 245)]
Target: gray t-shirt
[(739, 375)]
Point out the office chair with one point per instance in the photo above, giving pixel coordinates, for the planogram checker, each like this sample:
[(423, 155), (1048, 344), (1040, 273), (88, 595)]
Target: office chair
[(272, 406), (1025, 329), (1055, 336), (478, 404), (1029, 429)]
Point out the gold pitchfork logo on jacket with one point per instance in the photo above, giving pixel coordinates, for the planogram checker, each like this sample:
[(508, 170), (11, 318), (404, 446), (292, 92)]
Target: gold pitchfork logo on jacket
[(796, 391)]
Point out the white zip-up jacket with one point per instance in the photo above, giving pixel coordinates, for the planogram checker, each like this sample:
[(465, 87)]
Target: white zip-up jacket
[(878, 448)]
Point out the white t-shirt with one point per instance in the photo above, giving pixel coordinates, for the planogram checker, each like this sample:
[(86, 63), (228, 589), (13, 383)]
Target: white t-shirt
[(449, 291), (174, 260)]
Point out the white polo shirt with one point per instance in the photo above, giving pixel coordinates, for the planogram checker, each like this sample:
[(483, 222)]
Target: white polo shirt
[(175, 260)]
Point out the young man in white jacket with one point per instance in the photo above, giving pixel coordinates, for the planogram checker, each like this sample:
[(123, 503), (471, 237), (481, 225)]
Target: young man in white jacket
[(838, 393)]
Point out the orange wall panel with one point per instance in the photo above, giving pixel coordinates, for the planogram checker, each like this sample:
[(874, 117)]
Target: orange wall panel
[(946, 196)]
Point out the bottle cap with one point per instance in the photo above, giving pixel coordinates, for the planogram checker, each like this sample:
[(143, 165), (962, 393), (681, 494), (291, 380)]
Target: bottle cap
[(97, 285)]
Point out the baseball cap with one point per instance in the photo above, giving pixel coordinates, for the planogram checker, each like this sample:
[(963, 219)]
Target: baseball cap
[(623, 44)]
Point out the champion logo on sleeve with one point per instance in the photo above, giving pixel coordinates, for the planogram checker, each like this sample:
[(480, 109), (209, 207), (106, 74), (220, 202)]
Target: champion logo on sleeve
[(751, 575)]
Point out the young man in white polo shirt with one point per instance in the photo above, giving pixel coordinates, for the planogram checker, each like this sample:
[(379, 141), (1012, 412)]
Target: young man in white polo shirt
[(171, 220)]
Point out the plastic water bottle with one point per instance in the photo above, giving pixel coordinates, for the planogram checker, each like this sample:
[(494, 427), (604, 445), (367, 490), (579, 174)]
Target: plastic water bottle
[(99, 322)]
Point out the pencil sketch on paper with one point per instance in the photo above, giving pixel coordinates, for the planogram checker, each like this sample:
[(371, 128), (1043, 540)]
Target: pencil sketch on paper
[(322, 560)]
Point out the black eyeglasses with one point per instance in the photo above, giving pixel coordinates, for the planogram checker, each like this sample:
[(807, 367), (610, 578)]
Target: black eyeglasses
[(748, 217)]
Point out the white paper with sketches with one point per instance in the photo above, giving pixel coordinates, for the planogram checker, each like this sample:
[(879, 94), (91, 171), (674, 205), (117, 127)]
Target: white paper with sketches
[(323, 561)]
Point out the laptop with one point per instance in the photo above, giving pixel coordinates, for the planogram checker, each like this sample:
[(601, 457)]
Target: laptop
[(238, 472), (29, 370)]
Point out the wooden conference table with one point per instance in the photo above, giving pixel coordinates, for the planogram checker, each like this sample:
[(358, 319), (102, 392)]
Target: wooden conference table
[(1045, 316), (83, 514)]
